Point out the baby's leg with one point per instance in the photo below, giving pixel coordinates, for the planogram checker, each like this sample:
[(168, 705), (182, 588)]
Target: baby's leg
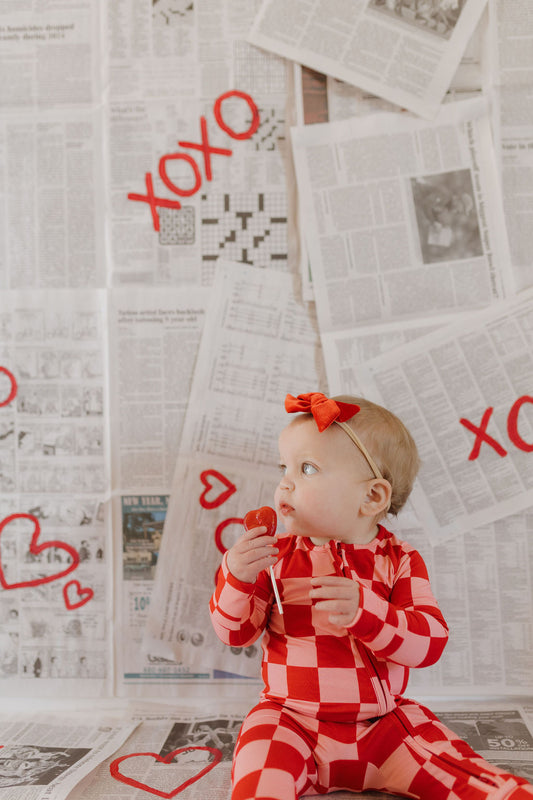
[(272, 759), (432, 762)]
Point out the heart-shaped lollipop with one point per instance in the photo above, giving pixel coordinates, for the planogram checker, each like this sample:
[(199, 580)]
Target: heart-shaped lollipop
[(262, 516), (265, 516)]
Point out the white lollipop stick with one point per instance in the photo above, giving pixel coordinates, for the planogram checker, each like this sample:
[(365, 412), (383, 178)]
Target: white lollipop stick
[(276, 593)]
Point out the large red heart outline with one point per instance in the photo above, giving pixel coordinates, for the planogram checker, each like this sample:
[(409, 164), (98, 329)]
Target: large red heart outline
[(35, 549), (114, 770), (206, 478), (85, 594)]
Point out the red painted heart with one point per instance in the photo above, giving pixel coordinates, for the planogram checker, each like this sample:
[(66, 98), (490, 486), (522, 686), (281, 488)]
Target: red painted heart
[(223, 494), (85, 594), (219, 531), (114, 770), (35, 549)]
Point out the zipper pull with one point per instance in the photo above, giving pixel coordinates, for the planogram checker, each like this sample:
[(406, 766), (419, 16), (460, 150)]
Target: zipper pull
[(336, 552)]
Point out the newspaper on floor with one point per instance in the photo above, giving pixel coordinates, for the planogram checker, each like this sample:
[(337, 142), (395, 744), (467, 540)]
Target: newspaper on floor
[(258, 344), (43, 757), (184, 753), (406, 51), (402, 218), (55, 555), (189, 753), (512, 46), (154, 335), (463, 393)]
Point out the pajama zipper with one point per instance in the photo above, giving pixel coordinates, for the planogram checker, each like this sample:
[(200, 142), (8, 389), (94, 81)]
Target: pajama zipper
[(367, 659)]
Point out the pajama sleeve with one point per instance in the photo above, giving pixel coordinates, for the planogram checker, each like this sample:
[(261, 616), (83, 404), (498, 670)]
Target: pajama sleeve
[(239, 611), (406, 628)]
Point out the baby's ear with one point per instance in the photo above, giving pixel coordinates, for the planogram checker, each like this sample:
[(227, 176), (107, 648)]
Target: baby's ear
[(378, 498)]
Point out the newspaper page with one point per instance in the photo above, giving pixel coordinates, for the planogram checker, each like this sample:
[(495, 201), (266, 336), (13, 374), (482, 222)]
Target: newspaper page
[(403, 218), (512, 46), (463, 393), (197, 143), (501, 736), (258, 344), (51, 228), (345, 351), (154, 339), (50, 54), (191, 752), (182, 752), (482, 582), (406, 52), (55, 601), (322, 98), (44, 758)]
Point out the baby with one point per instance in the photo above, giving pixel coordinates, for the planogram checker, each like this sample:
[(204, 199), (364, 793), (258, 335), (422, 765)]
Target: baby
[(358, 612)]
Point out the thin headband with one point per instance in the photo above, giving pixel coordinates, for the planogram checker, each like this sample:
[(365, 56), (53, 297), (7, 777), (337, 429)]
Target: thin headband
[(325, 411)]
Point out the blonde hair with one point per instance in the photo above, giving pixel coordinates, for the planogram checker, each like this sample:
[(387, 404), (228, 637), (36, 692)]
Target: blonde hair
[(390, 444)]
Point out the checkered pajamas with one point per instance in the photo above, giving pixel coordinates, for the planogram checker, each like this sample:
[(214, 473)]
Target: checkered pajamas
[(331, 713), (281, 755)]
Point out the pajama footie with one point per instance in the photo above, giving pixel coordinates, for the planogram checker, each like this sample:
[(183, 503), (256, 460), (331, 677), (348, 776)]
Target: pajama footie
[(282, 755)]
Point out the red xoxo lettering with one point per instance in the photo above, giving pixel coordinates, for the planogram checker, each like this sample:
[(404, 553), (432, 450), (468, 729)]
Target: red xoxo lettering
[(205, 148), (481, 434)]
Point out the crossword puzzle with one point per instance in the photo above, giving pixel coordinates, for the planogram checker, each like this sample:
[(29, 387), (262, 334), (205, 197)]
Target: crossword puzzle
[(271, 129), (251, 228), (176, 225)]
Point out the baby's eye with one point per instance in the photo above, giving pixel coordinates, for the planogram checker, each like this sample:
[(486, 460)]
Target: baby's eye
[(308, 469), (282, 469)]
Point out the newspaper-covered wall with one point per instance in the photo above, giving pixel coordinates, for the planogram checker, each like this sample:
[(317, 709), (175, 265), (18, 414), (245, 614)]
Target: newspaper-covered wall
[(256, 345), (406, 52), (142, 143), (511, 40)]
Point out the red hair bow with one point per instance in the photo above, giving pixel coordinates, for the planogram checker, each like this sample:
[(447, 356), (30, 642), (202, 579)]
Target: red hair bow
[(324, 409)]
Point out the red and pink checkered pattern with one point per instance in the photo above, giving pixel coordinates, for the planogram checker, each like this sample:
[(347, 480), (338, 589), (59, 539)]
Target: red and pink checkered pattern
[(319, 669), (331, 715), (281, 755)]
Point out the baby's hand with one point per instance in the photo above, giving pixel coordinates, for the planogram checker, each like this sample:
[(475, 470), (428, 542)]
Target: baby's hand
[(338, 595), (253, 552)]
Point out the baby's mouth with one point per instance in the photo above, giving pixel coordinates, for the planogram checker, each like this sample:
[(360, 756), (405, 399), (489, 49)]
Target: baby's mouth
[(285, 508)]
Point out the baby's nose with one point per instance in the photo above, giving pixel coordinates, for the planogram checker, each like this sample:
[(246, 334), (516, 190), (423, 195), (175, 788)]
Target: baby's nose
[(286, 482)]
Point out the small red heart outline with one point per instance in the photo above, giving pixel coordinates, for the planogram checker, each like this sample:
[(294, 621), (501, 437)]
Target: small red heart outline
[(222, 496), (115, 773), (85, 593), (35, 549)]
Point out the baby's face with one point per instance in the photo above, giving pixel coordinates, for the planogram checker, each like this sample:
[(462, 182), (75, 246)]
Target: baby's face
[(324, 481)]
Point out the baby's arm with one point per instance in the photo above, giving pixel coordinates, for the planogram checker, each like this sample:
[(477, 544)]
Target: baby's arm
[(407, 628), (240, 605)]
